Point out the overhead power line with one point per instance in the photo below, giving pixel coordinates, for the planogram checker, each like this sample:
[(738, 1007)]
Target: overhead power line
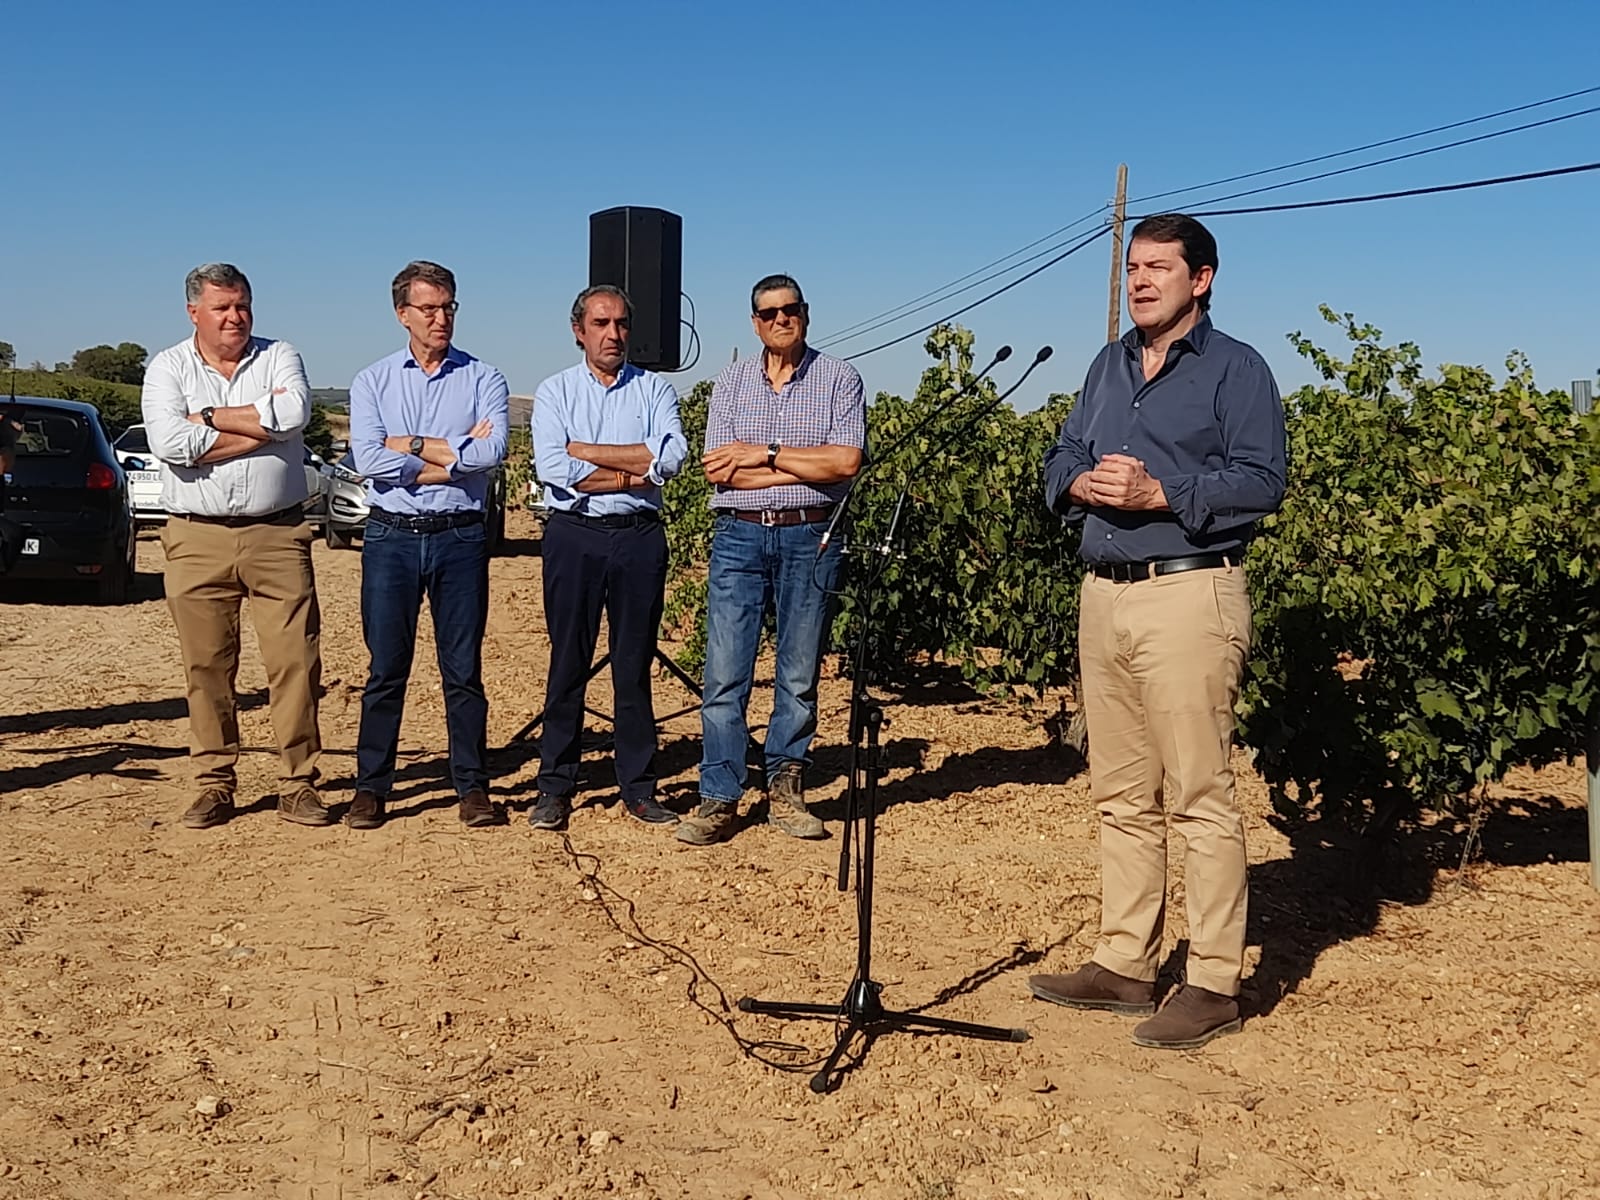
[(1394, 158), (1435, 189), (892, 315), (1394, 141), (942, 292), (1067, 253), (1422, 191)]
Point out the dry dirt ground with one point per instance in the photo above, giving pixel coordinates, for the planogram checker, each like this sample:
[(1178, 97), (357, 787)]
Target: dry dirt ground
[(427, 1011)]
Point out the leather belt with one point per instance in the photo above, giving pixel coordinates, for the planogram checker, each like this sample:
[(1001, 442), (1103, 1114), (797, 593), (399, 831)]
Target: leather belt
[(782, 516), (433, 523), (292, 515), (631, 520), (1134, 572)]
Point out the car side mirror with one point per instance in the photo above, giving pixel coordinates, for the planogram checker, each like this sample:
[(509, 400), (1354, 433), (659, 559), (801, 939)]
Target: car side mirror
[(316, 460)]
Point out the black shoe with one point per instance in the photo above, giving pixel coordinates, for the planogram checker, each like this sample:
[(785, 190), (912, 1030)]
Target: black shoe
[(651, 812), (477, 810), (550, 812)]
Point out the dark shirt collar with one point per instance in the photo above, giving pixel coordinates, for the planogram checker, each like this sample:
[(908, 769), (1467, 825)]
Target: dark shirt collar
[(1196, 339)]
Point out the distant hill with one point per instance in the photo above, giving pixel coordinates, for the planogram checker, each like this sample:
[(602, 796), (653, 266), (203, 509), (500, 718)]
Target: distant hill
[(338, 400)]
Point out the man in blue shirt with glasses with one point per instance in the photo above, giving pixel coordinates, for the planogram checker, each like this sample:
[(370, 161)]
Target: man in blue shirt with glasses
[(606, 436), (427, 426)]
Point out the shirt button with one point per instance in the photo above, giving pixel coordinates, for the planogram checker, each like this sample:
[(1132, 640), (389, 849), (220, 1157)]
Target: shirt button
[(1136, 404), (1124, 445), (1108, 537)]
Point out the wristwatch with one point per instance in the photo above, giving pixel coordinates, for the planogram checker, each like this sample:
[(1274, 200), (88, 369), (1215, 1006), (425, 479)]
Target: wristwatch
[(208, 415), (772, 455), (417, 445)]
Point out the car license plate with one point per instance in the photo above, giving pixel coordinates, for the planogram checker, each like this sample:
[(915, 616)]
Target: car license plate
[(145, 476), (30, 545)]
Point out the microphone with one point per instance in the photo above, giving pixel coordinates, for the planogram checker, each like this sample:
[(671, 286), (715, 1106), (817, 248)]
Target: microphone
[(1000, 356)]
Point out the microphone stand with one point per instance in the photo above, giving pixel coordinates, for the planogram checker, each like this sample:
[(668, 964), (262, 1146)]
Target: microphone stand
[(1000, 356), (862, 1010)]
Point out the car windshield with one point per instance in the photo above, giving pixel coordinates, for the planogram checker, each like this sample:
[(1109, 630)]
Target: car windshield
[(133, 441), (48, 432)]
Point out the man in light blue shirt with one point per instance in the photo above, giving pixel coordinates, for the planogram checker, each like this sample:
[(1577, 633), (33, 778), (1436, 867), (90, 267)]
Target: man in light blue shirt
[(427, 426), (606, 436)]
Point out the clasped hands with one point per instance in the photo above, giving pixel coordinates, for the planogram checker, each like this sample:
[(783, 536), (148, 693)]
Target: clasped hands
[(1119, 481)]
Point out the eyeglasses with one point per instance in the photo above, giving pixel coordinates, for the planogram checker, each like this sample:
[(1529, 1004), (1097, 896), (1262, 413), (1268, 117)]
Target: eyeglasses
[(769, 315), (429, 311)]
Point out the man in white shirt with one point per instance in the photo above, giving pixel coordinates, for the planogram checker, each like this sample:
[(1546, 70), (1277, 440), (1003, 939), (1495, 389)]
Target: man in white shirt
[(225, 411)]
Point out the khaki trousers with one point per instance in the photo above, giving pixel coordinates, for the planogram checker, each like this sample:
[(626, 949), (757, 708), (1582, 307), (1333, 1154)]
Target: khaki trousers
[(1161, 661), (210, 570)]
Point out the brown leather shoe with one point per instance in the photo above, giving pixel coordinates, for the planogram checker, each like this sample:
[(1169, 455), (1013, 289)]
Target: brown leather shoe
[(477, 811), (213, 808), (366, 810), (1189, 1020), (1092, 986), (304, 807)]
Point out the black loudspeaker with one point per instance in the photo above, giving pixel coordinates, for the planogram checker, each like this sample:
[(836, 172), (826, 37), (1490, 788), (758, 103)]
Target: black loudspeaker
[(641, 251)]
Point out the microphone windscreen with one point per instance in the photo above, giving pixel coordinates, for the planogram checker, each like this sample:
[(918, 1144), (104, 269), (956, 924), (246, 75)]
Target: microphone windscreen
[(1002, 354), (1044, 353)]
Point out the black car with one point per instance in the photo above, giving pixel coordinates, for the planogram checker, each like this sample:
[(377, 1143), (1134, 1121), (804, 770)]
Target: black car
[(66, 499)]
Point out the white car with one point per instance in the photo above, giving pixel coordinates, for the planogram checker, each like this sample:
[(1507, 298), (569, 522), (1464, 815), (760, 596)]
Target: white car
[(144, 480)]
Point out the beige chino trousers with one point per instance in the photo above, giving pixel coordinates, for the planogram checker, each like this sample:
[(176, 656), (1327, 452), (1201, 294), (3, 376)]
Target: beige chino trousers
[(210, 570), (1161, 661)]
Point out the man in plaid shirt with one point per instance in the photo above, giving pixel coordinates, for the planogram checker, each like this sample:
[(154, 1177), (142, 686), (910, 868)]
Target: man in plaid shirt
[(785, 433)]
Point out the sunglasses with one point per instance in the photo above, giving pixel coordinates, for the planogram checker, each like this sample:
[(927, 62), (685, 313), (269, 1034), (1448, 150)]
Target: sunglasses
[(789, 310)]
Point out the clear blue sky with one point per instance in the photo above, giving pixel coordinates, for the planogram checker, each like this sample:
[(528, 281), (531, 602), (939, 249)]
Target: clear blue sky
[(873, 150)]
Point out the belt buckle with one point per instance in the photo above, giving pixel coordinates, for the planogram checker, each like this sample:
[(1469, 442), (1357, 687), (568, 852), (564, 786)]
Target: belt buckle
[(769, 518)]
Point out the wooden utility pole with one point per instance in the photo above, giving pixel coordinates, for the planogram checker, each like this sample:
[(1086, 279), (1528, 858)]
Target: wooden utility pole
[(1119, 214)]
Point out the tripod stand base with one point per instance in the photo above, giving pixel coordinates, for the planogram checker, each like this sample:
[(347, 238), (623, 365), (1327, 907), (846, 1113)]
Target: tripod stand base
[(862, 1011), (672, 668)]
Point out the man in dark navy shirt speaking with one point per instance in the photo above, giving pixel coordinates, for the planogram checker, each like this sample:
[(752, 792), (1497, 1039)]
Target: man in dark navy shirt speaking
[(1173, 452)]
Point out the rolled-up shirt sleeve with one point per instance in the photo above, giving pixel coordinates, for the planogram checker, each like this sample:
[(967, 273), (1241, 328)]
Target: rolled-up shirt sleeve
[(849, 411), (367, 431), (1069, 458), (286, 409), (668, 446), (1251, 483), (554, 466), (493, 405), (174, 439)]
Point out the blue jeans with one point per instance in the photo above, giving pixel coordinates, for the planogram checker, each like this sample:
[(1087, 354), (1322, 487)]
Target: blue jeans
[(753, 567), (398, 568)]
